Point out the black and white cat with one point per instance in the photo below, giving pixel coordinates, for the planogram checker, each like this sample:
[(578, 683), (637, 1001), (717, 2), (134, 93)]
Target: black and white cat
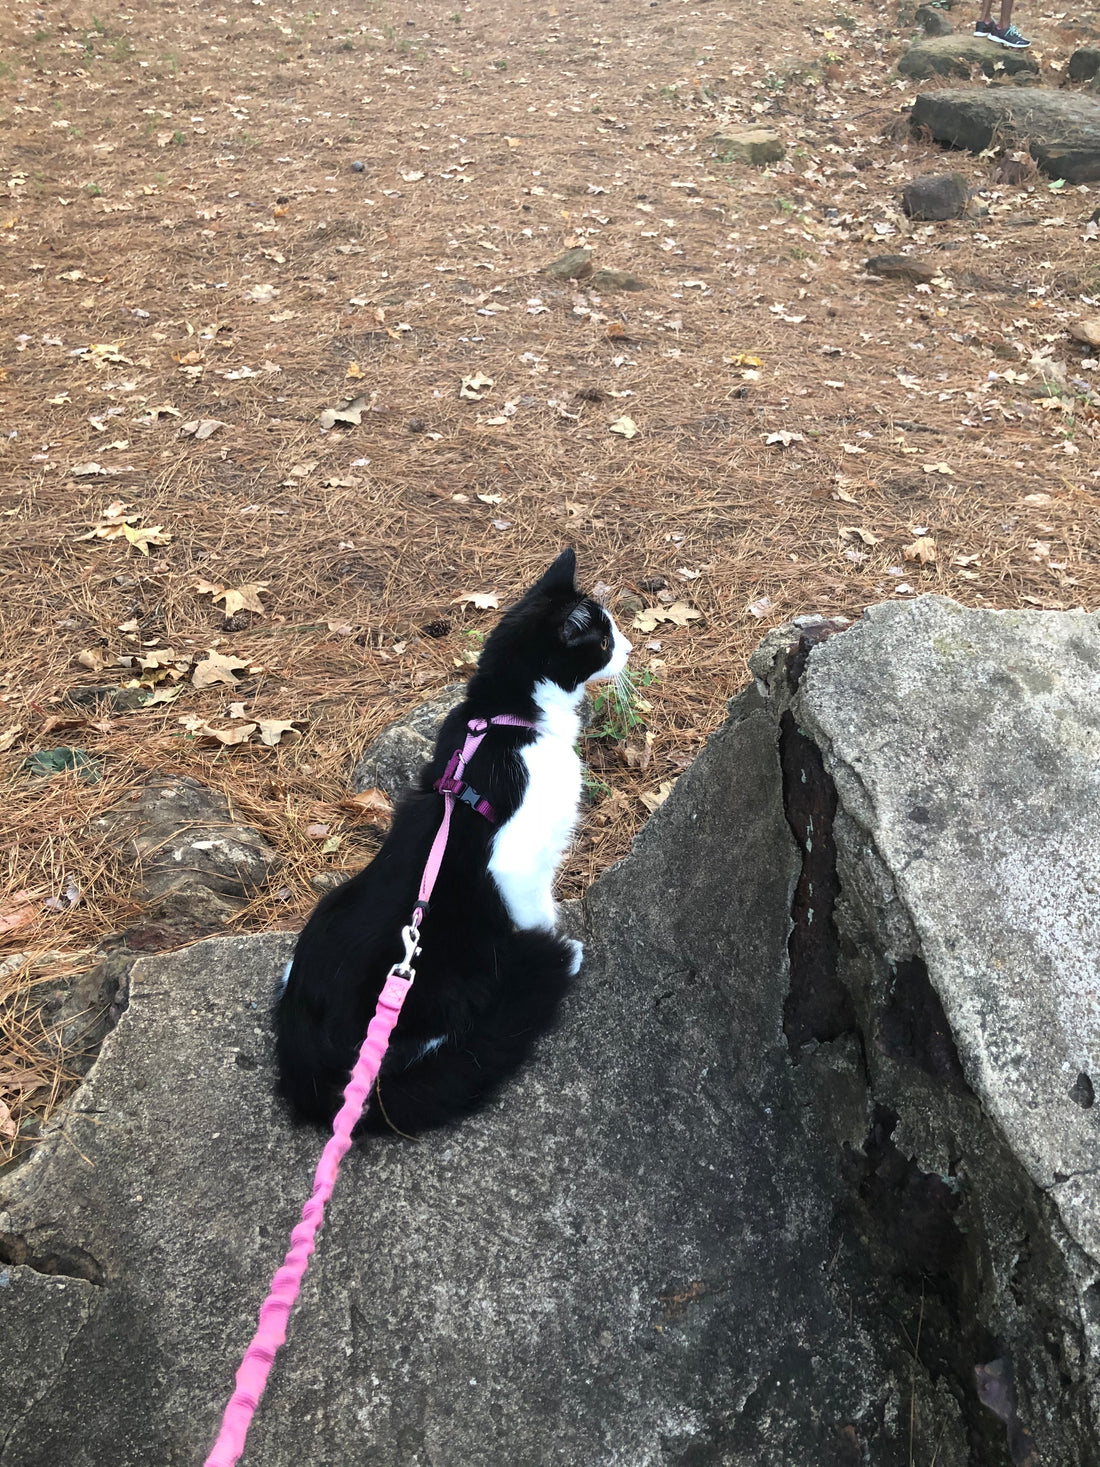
[(493, 967)]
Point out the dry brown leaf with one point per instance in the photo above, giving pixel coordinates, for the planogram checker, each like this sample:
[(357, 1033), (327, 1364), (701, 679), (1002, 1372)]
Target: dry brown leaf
[(351, 413), (8, 736), (200, 428), (475, 387), (217, 668), (273, 729), (624, 426), (922, 549), (372, 805), (482, 600), (198, 727), (242, 598), (856, 532), (19, 909), (654, 799), (141, 537), (679, 614)]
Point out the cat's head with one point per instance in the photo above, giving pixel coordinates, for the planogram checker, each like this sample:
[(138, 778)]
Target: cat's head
[(556, 633)]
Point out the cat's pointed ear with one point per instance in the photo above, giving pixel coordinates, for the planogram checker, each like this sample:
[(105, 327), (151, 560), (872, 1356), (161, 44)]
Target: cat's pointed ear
[(559, 579)]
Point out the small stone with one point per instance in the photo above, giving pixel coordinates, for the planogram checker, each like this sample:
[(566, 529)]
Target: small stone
[(629, 604), (901, 267), (416, 425), (757, 146), (933, 22), (1084, 64), (573, 265), (358, 166), (1087, 331), (935, 196), (652, 584)]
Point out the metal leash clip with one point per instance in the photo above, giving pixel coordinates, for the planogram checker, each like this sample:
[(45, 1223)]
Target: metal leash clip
[(410, 936)]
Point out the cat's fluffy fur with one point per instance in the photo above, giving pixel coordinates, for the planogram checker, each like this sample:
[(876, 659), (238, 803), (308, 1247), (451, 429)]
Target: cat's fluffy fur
[(493, 968)]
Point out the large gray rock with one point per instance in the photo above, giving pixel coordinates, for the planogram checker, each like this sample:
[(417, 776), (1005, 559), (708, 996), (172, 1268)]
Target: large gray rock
[(958, 54), (182, 838), (1061, 130), (799, 1178), (1084, 64), (394, 758)]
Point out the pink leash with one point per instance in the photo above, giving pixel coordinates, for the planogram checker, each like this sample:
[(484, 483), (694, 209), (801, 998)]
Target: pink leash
[(275, 1311)]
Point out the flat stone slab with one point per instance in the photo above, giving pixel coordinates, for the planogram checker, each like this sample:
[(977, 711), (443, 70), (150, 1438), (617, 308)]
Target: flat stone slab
[(959, 54), (1061, 130), (757, 146)]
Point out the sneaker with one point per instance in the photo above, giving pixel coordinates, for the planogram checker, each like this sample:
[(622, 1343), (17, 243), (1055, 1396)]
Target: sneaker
[(984, 28), (1010, 37)]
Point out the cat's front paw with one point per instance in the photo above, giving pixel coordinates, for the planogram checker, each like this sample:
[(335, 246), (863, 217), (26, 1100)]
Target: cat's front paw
[(577, 949)]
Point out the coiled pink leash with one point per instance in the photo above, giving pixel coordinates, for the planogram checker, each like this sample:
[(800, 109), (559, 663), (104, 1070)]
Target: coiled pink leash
[(271, 1328)]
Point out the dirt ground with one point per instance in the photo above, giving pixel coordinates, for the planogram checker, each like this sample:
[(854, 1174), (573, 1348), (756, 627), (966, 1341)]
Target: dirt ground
[(252, 214)]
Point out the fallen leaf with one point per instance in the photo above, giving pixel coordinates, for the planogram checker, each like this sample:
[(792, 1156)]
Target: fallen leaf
[(87, 471), (856, 532), (19, 909), (372, 804), (217, 668), (163, 695), (200, 428), (8, 736), (351, 413), (679, 614), (198, 727), (355, 371), (626, 427), (784, 437), (242, 598), (317, 831), (273, 729), (483, 600), (922, 549), (141, 537), (474, 388), (92, 659), (8, 1129), (654, 799), (262, 294), (940, 468)]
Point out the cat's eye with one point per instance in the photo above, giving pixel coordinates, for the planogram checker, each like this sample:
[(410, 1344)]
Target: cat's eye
[(605, 642)]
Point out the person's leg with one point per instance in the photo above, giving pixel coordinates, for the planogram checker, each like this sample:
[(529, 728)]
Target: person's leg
[(1006, 13), (983, 26)]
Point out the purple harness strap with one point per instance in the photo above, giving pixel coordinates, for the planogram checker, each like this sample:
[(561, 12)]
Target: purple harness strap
[(275, 1311)]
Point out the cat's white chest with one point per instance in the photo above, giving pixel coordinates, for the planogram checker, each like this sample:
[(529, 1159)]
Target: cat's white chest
[(527, 850)]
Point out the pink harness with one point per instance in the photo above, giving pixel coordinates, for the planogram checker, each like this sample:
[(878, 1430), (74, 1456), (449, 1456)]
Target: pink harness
[(275, 1310)]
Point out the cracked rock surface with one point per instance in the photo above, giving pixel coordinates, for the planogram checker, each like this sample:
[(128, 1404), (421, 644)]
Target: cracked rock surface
[(764, 1198)]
